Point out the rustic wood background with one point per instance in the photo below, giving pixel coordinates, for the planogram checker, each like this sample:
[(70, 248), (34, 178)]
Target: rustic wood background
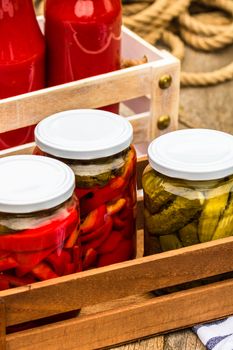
[(209, 107)]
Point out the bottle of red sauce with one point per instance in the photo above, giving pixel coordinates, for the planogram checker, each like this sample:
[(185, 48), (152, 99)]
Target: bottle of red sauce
[(22, 60), (83, 39)]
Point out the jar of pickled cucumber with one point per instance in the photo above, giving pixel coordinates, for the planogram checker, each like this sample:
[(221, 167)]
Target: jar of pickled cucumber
[(97, 146), (188, 188), (39, 221)]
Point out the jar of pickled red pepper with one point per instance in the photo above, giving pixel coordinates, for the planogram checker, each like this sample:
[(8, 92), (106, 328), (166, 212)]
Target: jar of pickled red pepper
[(188, 189), (97, 147), (83, 39), (22, 60), (39, 221)]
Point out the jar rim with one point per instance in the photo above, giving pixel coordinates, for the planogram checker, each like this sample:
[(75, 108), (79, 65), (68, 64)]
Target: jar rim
[(30, 183), (193, 154), (84, 134)]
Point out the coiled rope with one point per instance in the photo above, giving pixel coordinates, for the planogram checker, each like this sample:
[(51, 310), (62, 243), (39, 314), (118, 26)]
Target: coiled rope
[(152, 20)]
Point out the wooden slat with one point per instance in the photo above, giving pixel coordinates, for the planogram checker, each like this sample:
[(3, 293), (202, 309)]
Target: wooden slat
[(117, 281), (140, 125), (94, 92), (165, 102), (2, 325), (122, 324)]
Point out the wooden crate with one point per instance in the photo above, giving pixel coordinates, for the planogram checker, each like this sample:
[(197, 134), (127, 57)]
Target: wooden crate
[(136, 87), (115, 302)]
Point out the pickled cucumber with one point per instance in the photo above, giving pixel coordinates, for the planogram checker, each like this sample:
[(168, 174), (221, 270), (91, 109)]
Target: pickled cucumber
[(213, 208), (91, 181), (155, 195), (225, 225), (170, 242), (151, 244), (171, 219), (189, 234)]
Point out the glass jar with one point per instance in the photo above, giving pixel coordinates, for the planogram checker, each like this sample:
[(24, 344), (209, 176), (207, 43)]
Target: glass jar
[(97, 146), (188, 189), (22, 55), (83, 39), (39, 221)]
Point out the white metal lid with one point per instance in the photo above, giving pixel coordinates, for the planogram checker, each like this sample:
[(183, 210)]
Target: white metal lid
[(32, 183), (193, 154), (83, 134)]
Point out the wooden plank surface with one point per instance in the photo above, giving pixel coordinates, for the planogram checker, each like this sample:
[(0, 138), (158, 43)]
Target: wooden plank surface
[(123, 323), (2, 325), (154, 272)]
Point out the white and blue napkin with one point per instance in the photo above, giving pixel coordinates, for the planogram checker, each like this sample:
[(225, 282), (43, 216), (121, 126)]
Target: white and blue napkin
[(217, 335)]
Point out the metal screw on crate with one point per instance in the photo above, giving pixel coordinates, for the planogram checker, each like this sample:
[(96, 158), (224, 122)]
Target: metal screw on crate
[(165, 81), (163, 122)]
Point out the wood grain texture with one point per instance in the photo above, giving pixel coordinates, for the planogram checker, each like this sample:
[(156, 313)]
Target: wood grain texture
[(156, 343), (82, 289), (2, 325), (125, 323), (164, 102), (29, 109), (182, 340)]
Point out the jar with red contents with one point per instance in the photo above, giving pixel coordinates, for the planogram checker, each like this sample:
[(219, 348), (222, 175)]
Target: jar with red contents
[(39, 221), (83, 39), (22, 60), (97, 146)]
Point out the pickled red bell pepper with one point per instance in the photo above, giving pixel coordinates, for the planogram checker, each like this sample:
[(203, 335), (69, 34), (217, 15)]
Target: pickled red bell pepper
[(90, 258), (110, 243), (116, 207), (4, 283), (43, 237), (28, 260), (72, 239), (97, 236), (41, 253), (43, 272), (59, 261), (8, 263), (108, 214), (99, 240), (12, 281), (93, 220), (77, 258), (122, 252), (99, 196)]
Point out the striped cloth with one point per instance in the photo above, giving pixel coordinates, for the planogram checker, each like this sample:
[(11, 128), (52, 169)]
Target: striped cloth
[(217, 335)]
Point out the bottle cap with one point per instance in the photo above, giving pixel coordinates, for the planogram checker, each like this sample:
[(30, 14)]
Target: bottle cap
[(83, 134), (32, 183), (193, 154)]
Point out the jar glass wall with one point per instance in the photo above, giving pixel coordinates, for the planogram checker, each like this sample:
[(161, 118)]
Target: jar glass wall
[(188, 189), (39, 231), (96, 145), (179, 213)]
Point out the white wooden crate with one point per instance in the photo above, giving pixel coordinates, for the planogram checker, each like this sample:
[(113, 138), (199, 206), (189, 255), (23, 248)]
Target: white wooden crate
[(137, 87)]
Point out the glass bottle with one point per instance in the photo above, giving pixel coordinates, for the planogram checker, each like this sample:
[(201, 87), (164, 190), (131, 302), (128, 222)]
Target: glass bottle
[(83, 39), (22, 51)]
